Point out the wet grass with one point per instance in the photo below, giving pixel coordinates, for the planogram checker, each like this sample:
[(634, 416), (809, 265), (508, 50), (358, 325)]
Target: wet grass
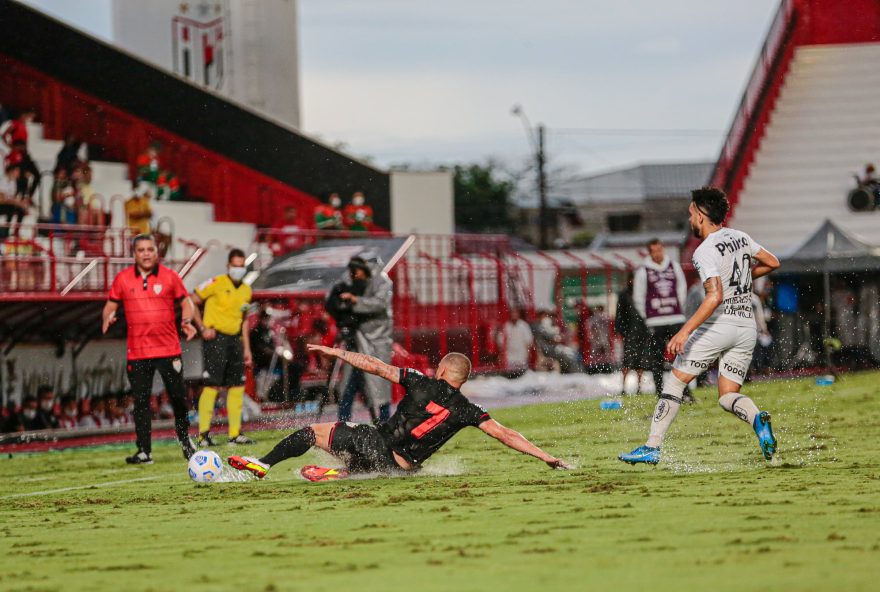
[(713, 516)]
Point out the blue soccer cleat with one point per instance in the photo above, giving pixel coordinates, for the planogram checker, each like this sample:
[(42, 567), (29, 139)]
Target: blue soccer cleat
[(643, 454), (764, 431)]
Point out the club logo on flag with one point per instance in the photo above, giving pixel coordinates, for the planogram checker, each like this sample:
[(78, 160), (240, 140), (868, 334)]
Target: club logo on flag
[(198, 43), (157, 288)]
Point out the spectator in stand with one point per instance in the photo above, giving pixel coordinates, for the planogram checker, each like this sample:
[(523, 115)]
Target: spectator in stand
[(9, 182), (115, 413), (600, 339), (631, 327), (165, 409), (329, 216), (64, 206), (322, 332), (91, 210), (69, 416), (138, 211), (15, 131), (551, 343), (13, 422), (28, 415), (46, 413), (263, 352), (517, 342), (151, 170), (659, 289), (13, 207), (68, 157), (285, 236), (358, 216), (97, 417), (29, 177)]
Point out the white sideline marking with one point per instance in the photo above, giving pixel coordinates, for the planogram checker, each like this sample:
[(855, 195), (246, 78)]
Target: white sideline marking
[(92, 486)]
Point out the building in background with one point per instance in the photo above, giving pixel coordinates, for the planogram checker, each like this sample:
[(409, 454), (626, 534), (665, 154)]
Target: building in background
[(243, 49), (644, 199)]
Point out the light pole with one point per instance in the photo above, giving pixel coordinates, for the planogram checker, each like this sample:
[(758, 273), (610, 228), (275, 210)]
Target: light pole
[(540, 159)]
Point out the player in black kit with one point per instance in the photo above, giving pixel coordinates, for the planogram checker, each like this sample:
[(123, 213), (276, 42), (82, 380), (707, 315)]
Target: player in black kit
[(432, 411)]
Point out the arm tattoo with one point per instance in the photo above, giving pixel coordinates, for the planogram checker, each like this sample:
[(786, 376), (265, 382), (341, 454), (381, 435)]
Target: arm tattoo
[(369, 364), (710, 285)]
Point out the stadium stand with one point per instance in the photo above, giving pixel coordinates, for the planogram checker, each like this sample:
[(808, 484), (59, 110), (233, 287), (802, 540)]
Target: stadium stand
[(249, 166), (807, 121), (825, 126)]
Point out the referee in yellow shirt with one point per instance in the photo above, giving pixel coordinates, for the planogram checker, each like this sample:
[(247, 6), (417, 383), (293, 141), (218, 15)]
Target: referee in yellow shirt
[(226, 348)]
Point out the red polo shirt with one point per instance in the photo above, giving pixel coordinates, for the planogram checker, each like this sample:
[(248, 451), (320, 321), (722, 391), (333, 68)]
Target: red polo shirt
[(149, 310)]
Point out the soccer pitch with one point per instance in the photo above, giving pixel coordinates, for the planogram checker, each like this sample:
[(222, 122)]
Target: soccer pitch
[(713, 516)]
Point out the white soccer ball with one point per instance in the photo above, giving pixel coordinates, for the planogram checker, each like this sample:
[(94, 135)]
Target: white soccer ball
[(205, 466)]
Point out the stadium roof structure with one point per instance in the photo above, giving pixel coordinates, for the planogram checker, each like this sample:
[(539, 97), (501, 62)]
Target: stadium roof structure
[(314, 269), (832, 250), (614, 240), (638, 183)]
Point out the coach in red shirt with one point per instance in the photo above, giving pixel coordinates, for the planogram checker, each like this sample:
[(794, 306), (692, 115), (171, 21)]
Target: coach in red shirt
[(148, 293)]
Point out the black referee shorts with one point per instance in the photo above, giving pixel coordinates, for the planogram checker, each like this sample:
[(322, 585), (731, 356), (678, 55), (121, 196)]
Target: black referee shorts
[(362, 448), (223, 361)]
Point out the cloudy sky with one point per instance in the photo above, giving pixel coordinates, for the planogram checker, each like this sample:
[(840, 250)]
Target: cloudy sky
[(433, 82)]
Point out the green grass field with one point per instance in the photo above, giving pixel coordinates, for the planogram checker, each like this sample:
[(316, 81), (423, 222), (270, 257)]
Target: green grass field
[(714, 516)]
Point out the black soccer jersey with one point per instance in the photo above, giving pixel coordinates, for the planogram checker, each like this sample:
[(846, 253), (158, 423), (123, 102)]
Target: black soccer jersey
[(430, 414)]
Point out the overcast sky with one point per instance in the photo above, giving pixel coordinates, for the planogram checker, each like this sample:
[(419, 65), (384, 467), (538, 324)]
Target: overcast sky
[(413, 81)]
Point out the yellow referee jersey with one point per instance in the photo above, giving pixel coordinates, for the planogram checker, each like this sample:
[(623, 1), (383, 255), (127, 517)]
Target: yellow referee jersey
[(225, 304)]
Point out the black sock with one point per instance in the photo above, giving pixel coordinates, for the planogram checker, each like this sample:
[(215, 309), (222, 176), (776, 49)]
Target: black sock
[(296, 444)]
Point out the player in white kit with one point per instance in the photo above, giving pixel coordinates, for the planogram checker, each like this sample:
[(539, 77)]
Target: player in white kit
[(723, 327)]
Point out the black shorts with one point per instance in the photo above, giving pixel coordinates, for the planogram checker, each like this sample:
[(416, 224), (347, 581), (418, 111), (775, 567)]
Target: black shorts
[(223, 361), (362, 448), (636, 351)]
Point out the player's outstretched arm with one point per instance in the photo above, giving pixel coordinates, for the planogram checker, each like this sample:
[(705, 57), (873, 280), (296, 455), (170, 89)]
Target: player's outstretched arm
[(767, 262), (361, 361), (515, 440)]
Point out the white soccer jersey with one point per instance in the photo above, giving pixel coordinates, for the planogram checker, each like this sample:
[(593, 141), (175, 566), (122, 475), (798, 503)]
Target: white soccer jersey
[(728, 254)]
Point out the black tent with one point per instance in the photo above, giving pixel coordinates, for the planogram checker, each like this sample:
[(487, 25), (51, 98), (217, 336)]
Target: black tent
[(831, 250)]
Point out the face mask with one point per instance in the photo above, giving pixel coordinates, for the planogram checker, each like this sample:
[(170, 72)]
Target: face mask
[(47, 405), (29, 413), (237, 273)]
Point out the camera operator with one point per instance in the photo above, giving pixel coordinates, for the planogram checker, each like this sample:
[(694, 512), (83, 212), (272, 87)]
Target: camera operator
[(361, 307)]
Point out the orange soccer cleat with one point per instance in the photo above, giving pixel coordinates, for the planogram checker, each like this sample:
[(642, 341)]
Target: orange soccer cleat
[(314, 473), (247, 463)]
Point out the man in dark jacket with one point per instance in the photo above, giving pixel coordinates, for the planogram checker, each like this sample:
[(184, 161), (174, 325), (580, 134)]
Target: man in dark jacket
[(631, 327), (362, 310)]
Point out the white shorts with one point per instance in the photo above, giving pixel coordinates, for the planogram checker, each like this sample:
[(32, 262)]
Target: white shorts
[(731, 345)]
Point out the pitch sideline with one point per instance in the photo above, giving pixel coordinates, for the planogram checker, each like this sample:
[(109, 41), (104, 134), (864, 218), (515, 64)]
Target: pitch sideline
[(90, 486)]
